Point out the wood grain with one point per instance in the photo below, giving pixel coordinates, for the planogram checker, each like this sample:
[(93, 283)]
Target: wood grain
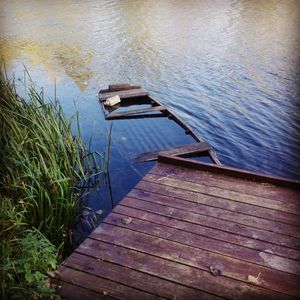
[(176, 272), (205, 231), (132, 93), (198, 258), (136, 279), (237, 217), (262, 189), (211, 222), (202, 232), (122, 115), (226, 204), (180, 150)]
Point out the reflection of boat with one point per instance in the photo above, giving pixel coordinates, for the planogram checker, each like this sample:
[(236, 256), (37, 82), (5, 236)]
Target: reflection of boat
[(143, 106)]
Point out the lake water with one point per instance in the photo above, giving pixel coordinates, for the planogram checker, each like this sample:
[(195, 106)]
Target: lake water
[(229, 69)]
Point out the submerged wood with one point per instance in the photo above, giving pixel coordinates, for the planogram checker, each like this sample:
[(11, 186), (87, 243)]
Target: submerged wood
[(135, 96), (119, 87), (121, 115), (183, 150), (122, 87)]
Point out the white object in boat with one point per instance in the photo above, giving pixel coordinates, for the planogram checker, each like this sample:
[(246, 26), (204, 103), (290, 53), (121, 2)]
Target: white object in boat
[(112, 101)]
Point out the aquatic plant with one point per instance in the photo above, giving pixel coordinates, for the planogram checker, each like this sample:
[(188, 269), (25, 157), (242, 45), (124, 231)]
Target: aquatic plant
[(44, 169)]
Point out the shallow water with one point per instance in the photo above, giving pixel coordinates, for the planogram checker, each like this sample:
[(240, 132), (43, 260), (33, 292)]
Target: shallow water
[(229, 70)]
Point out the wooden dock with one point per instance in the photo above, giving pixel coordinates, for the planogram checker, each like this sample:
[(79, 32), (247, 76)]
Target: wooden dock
[(191, 230)]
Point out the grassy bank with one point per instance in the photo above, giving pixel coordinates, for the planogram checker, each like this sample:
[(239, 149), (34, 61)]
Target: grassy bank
[(43, 168)]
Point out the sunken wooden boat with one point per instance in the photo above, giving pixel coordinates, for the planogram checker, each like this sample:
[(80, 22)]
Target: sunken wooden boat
[(133, 96)]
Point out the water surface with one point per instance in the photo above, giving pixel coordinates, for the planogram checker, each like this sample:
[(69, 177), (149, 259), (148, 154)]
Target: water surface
[(227, 68)]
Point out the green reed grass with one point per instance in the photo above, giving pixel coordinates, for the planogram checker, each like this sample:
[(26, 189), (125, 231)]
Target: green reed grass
[(42, 164), (44, 169)]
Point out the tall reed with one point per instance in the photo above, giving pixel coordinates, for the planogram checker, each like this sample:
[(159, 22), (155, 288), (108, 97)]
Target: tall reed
[(42, 164), (44, 169)]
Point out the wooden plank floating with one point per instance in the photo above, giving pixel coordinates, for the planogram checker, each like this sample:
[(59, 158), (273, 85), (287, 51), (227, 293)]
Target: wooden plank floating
[(123, 94), (183, 150), (197, 231), (127, 93), (122, 87), (121, 115)]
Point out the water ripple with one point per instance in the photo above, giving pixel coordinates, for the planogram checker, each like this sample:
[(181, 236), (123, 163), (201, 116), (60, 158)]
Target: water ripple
[(229, 71)]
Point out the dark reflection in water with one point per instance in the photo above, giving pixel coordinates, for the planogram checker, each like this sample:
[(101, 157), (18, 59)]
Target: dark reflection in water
[(230, 70)]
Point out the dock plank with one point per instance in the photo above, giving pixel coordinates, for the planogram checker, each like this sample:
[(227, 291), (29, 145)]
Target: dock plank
[(129, 277), (225, 193), (265, 190), (193, 231), (198, 258), (258, 257), (237, 217), (202, 230), (74, 292), (194, 197), (122, 87), (103, 286), (227, 226), (176, 272)]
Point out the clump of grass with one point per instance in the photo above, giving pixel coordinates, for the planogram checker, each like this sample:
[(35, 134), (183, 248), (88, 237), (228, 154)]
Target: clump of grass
[(43, 169)]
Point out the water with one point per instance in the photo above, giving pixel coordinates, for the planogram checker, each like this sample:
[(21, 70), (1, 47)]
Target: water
[(229, 70)]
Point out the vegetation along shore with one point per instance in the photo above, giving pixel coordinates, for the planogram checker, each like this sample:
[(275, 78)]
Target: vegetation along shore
[(44, 169)]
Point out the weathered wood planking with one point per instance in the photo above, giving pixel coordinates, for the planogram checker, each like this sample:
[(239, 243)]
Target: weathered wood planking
[(222, 181), (176, 151), (220, 224), (198, 258), (75, 292), (241, 218), (122, 86), (131, 277), (216, 234), (123, 94), (121, 115), (193, 233), (205, 243), (178, 273), (232, 172)]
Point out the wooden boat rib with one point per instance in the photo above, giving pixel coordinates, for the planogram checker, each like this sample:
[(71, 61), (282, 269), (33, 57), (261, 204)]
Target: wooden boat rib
[(133, 95)]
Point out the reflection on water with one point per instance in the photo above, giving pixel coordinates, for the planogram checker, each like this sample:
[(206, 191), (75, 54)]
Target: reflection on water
[(56, 58), (230, 70)]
